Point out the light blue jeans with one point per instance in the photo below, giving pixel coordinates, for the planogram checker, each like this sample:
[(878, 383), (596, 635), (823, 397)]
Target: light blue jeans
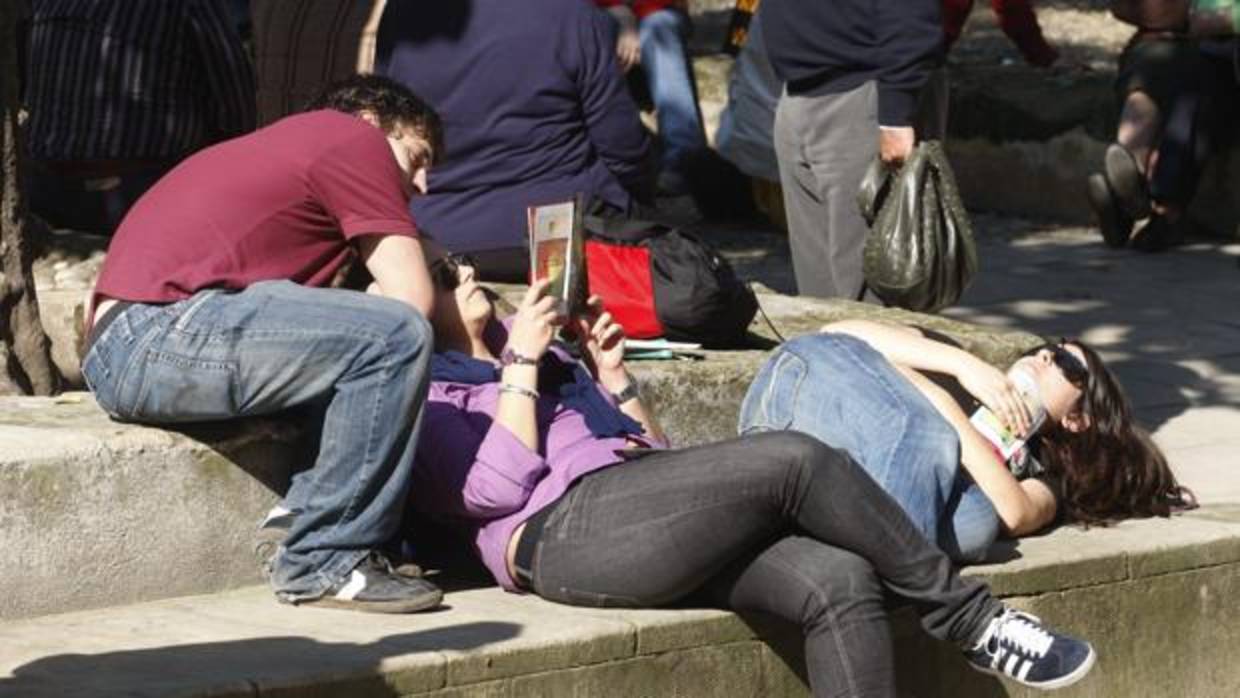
[(665, 61), (275, 345), (840, 390)]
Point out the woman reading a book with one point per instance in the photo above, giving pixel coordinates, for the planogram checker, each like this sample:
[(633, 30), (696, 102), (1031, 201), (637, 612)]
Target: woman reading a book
[(557, 472), (920, 415)]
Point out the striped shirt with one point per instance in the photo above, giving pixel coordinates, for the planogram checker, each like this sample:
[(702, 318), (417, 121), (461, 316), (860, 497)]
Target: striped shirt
[(134, 79), (302, 45)]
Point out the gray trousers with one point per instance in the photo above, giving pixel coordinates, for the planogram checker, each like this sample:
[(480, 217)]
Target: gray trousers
[(824, 144)]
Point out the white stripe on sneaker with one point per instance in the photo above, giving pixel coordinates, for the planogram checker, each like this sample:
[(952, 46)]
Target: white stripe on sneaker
[(355, 585), (1009, 667), (1025, 666)]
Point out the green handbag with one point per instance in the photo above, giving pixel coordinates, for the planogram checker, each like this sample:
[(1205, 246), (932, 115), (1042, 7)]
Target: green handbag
[(919, 253)]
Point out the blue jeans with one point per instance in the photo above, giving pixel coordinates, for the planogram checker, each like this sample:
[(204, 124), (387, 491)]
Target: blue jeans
[(665, 62), (275, 345), (840, 390)]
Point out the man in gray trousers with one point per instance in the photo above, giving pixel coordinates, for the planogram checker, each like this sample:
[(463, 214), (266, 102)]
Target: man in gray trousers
[(854, 72)]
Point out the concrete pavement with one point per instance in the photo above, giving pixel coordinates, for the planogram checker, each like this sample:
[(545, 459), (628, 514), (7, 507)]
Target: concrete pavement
[(1168, 324)]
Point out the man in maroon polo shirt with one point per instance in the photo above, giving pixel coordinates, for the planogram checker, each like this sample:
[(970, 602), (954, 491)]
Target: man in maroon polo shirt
[(214, 302)]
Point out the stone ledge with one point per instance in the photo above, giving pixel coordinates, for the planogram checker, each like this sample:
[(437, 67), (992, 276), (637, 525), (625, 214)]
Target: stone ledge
[(99, 513), (94, 506), (1156, 635)]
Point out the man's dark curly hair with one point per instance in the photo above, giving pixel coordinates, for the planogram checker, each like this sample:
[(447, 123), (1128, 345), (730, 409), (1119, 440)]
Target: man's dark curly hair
[(391, 102)]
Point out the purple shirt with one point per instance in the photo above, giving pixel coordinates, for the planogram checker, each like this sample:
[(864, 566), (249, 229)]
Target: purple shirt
[(477, 474)]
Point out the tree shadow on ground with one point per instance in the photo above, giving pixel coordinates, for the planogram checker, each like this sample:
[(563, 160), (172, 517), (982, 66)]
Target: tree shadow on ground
[(331, 668), (1159, 320)]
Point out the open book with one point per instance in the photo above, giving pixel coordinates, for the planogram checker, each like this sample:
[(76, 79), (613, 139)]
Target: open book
[(557, 252)]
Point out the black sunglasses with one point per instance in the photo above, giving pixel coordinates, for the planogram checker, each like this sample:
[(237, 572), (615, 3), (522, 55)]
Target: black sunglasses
[(445, 271), (1069, 364)]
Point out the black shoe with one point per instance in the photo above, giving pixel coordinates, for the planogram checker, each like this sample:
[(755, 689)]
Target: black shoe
[(1160, 234), (375, 587), (274, 529), (1115, 225), (1127, 181), (1018, 646)]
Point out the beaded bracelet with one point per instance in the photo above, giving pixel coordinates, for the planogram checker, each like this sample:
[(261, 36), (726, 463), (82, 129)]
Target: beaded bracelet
[(518, 390)]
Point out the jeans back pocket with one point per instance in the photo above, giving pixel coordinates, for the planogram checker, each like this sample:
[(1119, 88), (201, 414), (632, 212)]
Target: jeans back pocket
[(771, 400), (174, 388)]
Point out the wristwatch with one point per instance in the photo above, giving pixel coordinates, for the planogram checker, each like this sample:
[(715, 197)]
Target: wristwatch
[(510, 357), (629, 393)]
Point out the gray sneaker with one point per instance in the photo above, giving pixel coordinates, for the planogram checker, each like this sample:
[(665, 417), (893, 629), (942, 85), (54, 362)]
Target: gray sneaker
[(375, 587)]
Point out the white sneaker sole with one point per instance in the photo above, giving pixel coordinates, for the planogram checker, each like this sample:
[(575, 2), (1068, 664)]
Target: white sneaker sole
[(425, 602), (1061, 682)]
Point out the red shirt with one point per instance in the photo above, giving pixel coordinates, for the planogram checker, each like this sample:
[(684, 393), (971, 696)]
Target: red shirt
[(283, 202)]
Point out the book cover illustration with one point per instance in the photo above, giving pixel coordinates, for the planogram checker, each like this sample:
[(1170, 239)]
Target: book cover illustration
[(556, 252)]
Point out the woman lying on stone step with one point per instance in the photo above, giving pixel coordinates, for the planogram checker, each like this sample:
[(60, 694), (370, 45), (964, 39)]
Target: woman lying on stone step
[(558, 473), (900, 400)]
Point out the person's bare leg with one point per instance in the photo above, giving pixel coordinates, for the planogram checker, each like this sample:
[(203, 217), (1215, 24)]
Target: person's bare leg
[(1139, 124)]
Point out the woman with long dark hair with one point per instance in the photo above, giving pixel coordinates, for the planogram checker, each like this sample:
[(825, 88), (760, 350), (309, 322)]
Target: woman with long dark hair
[(900, 400), (558, 474)]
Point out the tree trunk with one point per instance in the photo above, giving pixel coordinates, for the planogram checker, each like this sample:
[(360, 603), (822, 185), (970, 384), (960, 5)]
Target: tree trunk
[(25, 351)]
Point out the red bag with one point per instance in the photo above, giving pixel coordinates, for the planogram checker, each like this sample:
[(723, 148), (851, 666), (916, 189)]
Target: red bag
[(620, 274), (659, 281)]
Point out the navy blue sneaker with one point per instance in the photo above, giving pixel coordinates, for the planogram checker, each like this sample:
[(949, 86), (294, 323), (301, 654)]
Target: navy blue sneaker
[(1018, 646)]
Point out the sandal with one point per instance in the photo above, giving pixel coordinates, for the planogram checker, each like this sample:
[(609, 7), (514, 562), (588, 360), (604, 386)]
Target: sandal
[(1127, 181), (1115, 225)]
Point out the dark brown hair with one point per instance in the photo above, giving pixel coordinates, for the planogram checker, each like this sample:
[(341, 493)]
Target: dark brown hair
[(1112, 469), (392, 103)]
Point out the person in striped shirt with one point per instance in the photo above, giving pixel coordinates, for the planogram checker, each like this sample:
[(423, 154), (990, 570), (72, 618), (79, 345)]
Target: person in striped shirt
[(120, 91)]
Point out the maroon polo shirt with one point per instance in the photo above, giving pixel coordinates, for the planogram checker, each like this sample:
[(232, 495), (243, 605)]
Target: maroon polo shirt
[(283, 202)]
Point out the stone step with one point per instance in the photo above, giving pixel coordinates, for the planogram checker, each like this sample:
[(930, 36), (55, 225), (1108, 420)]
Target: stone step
[(93, 506), (1157, 598)]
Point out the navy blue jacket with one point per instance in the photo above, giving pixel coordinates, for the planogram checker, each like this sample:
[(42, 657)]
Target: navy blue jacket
[(832, 46), (534, 107)]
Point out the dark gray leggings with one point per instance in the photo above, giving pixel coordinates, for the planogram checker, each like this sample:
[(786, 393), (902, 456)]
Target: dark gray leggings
[(774, 522)]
